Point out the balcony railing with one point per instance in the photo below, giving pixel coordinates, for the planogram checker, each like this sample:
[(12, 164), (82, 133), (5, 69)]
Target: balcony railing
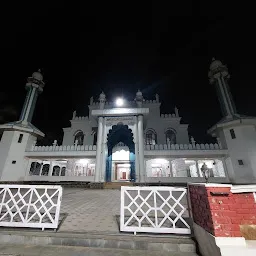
[(210, 146), (63, 148)]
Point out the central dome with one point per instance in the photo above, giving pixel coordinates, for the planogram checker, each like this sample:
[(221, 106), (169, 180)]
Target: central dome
[(37, 75)]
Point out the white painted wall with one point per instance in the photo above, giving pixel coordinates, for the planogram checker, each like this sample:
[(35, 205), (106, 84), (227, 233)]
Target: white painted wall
[(11, 150), (85, 125), (243, 147), (153, 121)]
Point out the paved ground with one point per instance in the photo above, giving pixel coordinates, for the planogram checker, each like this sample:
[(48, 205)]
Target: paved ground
[(98, 210), (15, 250), (90, 210)]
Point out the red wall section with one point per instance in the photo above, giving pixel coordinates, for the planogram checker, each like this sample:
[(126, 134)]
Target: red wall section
[(221, 215)]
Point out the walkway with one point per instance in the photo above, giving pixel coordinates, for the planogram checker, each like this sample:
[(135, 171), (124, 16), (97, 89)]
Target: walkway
[(90, 210)]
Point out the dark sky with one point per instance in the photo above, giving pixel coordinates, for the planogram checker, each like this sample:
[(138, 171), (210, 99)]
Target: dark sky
[(121, 47)]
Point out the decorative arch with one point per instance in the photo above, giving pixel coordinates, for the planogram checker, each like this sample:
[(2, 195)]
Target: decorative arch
[(170, 136), (79, 136), (151, 137), (120, 133)]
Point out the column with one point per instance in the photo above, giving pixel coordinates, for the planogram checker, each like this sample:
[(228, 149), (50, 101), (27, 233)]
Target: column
[(103, 150), (141, 148), (50, 169), (99, 149), (137, 164)]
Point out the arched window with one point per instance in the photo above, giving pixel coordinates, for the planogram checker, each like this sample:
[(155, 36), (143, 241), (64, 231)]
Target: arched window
[(63, 171), (151, 137), (45, 170), (170, 137), (35, 168), (56, 171), (79, 136)]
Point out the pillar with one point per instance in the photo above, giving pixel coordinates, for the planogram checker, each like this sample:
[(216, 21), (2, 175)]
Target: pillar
[(141, 148), (137, 164), (104, 151), (99, 149)]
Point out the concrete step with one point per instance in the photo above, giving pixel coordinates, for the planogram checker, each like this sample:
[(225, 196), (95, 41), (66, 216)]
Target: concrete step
[(116, 185), (174, 244), (34, 250)]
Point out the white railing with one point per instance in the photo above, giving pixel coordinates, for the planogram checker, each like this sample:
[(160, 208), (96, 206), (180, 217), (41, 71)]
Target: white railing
[(154, 210), (63, 148), (30, 206), (210, 146)]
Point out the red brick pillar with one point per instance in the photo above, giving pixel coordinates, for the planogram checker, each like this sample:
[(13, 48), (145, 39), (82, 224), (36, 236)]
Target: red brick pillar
[(220, 211)]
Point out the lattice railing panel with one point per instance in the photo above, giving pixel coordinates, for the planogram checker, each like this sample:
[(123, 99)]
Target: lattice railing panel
[(154, 209), (30, 206)]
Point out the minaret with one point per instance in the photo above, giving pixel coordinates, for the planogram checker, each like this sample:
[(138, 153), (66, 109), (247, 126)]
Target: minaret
[(218, 75), (34, 87), (235, 133), (20, 136)]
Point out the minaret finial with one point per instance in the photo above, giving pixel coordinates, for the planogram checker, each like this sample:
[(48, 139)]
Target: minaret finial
[(102, 100), (176, 111), (139, 98)]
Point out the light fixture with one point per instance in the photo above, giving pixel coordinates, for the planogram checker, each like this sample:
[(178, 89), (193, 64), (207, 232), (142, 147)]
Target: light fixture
[(119, 102), (83, 161)]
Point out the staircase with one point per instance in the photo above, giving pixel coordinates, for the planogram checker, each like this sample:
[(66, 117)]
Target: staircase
[(116, 185), (66, 244)]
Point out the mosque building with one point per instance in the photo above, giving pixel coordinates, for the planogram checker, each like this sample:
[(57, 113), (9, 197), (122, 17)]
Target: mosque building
[(131, 141)]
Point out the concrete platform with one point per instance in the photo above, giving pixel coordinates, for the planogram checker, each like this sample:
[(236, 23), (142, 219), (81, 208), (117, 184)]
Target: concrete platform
[(78, 251), (148, 243)]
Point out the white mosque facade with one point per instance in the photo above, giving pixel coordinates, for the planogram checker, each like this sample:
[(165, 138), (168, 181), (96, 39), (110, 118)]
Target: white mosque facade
[(131, 142)]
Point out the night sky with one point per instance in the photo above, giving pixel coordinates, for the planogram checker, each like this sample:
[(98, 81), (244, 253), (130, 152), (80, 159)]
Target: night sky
[(120, 48)]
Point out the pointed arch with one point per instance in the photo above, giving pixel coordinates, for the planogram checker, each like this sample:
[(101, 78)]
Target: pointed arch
[(170, 136), (120, 133), (79, 136), (151, 137)]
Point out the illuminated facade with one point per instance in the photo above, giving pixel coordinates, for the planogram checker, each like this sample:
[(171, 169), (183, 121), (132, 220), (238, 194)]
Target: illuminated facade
[(131, 141)]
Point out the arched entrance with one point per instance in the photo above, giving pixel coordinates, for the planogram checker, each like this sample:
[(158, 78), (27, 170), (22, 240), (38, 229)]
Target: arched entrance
[(120, 134)]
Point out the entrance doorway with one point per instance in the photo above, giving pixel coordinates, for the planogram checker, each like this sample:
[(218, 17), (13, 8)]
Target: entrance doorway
[(122, 171), (120, 162)]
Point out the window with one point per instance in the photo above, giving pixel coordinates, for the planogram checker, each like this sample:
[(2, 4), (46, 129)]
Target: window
[(79, 136), (35, 168), (20, 138), (94, 133), (158, 168), (1, 135), (232, 133), (240, 162), (170, 137), (45, 170), (63, 171), (151, 137), (56, 170)]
